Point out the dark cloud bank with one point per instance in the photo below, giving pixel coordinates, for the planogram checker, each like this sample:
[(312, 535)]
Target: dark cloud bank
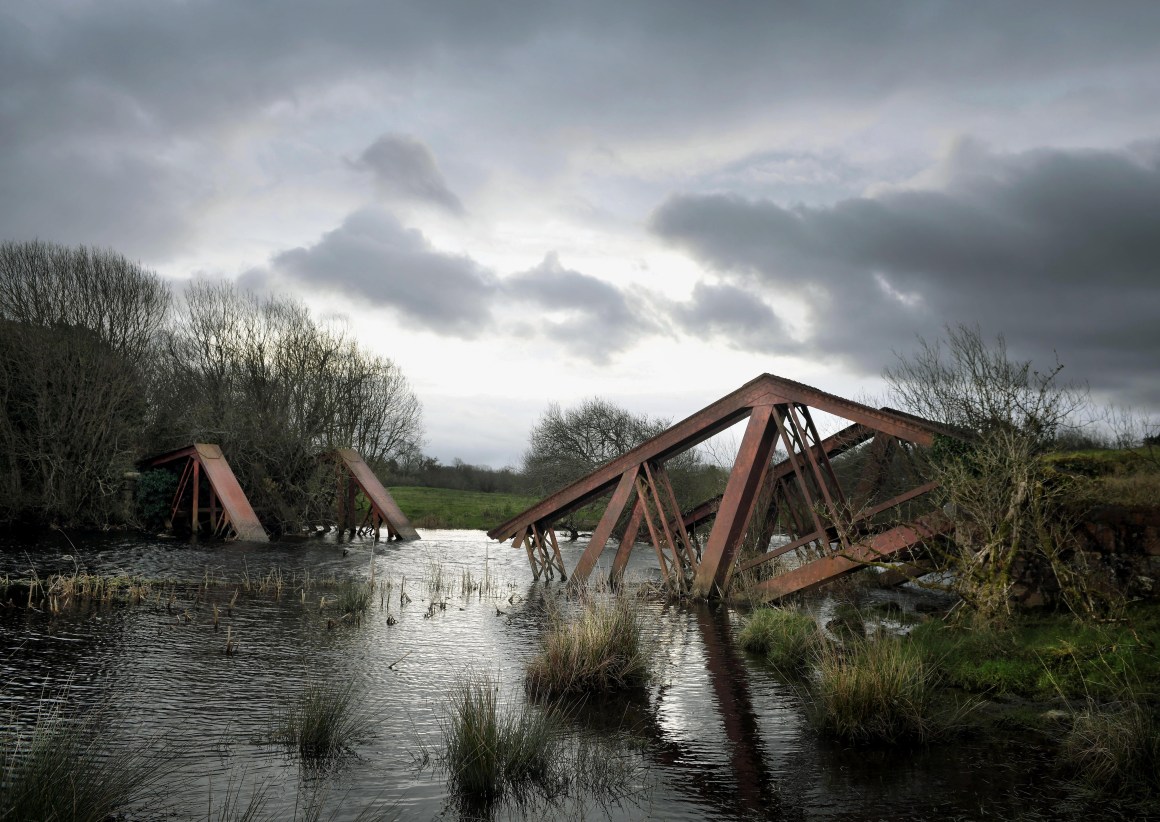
[(1057, 250), (372, 257)]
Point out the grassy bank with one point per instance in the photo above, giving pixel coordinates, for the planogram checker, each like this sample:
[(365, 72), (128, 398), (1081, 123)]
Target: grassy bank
[(448, 508), (1048, 655)]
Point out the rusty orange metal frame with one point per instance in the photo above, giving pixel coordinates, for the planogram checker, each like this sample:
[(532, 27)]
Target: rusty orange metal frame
[(803, 491), (236, 516), (383, 510)]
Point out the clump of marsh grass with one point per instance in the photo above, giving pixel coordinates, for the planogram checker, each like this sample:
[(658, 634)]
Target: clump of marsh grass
[(879, 691), (521, 751), (599, 650), (66, 769), (1115, 746), (489, 751), (789, 640), (322, 722), (354, 598)]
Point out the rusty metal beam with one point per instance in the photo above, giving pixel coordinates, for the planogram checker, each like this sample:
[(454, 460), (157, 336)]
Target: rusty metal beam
[(379, 498), (829, 534), (624, 490), (208, 458), (764, 390), (737, 502), (879, 548), (833, 445), (626, 542), (778, 409)]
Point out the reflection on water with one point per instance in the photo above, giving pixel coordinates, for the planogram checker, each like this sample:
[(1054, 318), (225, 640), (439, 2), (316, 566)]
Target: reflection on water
[(719, 736)]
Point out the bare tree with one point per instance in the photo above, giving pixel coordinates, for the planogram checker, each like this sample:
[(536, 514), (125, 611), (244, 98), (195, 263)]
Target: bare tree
[(971, 384), (1011, 523), (275, 387), (566, 444), (75, 326)]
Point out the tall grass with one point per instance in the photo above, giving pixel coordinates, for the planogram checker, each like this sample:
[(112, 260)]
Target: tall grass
[(322, 722), (65, 769), (1115, 746), (489, 752), (354, 598), (788, 639), (879, 691), (520, 751), (598, 651)]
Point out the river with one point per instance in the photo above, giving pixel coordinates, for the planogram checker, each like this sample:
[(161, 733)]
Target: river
[(716, 735)]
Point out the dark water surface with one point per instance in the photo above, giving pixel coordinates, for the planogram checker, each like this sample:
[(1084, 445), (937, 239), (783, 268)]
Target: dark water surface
[(716, 736)]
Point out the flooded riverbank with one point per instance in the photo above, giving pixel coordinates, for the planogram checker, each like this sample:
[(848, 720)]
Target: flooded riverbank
[(715, 735)]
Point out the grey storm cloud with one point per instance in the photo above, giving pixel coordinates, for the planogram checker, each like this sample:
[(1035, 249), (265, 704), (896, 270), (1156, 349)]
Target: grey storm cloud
[(113, 114), (1053, 248), (372, 256), (587, 314), (738, 317), (404, 168)]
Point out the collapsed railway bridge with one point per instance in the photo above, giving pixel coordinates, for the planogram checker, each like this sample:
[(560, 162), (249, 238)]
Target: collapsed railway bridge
[(783, 483)]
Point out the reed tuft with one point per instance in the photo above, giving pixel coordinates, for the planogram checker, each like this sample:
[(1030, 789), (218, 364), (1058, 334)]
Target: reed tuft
[(66, 769), (789, 640), (598, 651), (879, 691), (489, 751), (322, 722)]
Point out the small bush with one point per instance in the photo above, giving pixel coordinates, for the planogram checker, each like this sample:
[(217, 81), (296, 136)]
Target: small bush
[(154, 497), (599, 651), (322, 722), (874, 691), (488, 753), (789, 640), (1113, 747), (66, 770)]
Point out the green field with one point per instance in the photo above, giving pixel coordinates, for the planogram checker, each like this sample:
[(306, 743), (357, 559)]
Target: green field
[(447, 508)]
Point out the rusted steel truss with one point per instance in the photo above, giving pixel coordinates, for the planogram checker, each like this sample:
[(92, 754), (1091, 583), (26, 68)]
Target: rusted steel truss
[(797, 497), (228, 512), (382, 510)]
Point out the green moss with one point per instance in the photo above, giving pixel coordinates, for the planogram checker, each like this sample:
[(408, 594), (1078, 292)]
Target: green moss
[(1047, 656)]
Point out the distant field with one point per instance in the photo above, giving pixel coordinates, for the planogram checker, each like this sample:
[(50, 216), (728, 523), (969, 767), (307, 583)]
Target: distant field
[(446, 508)]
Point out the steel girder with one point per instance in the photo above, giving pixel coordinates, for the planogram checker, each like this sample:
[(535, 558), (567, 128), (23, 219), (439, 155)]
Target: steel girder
[(801, 492)]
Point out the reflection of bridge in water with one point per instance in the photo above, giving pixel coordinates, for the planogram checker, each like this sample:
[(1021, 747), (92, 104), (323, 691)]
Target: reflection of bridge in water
[(740, 784), (835, 525)]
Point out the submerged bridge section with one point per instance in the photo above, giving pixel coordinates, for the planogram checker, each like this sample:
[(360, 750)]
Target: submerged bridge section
[(228, 510), (383, 510), (831, 527)]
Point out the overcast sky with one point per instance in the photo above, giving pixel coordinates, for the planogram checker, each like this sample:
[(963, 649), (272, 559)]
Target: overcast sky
[(654, 202)]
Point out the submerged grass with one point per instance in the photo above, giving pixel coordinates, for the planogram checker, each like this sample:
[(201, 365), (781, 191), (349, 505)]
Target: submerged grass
[(519, 752), (598, 651), (489, 751), (322, 722), (66, 769), (355, 597), (789, 640)]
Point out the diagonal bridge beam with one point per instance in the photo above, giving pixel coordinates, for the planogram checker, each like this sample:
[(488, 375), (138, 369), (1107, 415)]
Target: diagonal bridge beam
[(778, 411)]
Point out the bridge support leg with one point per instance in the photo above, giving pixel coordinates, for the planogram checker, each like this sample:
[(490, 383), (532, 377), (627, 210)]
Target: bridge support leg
[(626, 543), (737, 503), (620, 497)]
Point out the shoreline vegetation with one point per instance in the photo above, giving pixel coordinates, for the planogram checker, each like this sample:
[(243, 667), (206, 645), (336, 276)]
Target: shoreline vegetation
[(1085, 691)]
